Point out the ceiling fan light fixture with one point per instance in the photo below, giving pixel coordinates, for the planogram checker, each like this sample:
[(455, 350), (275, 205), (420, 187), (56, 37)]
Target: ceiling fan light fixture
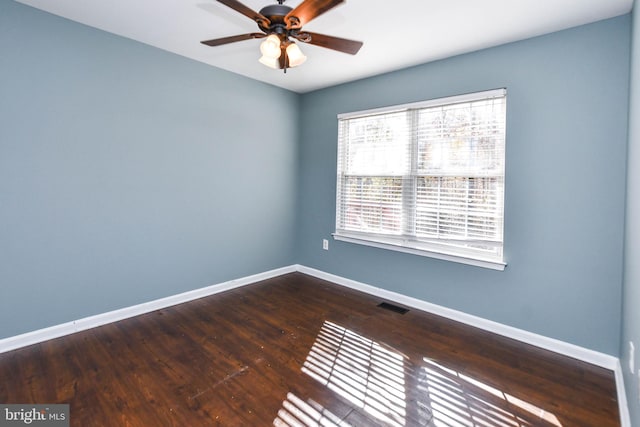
[(270, 47), (295, 55)]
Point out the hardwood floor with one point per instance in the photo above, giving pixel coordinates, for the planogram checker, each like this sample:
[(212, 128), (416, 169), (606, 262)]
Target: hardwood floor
[(299, 351)]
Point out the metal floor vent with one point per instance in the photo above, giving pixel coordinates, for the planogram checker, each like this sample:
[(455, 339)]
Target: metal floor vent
[(392, 307)]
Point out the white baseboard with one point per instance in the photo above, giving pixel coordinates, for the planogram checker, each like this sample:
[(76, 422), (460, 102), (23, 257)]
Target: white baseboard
[(596, 358), (40, 335), (577, 352), (625, 419)]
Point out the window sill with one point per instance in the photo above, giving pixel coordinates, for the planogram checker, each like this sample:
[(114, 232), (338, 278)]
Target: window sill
[(493, 265)]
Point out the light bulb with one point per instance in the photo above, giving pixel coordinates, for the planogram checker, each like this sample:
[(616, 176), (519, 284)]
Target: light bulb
[(271, 47), (295, 55)]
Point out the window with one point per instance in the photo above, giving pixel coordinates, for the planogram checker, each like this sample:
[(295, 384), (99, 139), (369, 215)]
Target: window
[(426, 178)]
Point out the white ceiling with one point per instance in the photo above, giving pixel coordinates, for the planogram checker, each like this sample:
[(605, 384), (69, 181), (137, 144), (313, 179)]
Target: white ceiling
[(396, 34)]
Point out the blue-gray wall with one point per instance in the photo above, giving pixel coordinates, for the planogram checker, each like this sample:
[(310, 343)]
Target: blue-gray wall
[(631, 293), (128, 173), (122, 169), (565, 184)]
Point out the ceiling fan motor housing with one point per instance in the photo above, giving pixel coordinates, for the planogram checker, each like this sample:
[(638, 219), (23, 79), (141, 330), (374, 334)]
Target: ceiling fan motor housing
[(275, 13)]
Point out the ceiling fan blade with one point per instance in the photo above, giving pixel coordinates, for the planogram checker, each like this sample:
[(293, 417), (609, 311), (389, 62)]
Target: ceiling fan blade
[(308, 10), (336, 43), (233, 39), (246, 11)]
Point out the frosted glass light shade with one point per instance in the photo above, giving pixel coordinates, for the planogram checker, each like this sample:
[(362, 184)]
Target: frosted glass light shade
[(270, 62), (270, 47), (295, 55)]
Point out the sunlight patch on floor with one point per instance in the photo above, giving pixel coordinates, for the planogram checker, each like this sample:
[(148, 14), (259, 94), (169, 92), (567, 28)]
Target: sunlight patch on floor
[(458, 400), (376, 379), (297, 413), (362, 371)]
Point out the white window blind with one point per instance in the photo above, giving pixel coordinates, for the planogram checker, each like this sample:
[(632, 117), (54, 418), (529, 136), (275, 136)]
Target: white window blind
[(426, 178)]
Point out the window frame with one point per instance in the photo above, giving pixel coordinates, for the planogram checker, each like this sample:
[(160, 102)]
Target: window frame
[(432, 249)]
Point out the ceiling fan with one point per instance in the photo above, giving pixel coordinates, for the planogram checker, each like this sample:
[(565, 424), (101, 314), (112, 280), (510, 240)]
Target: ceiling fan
[(280, 25)]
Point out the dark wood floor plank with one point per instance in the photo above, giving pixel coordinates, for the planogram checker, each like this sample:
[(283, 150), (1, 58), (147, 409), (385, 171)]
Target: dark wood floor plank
[(300, 351)]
